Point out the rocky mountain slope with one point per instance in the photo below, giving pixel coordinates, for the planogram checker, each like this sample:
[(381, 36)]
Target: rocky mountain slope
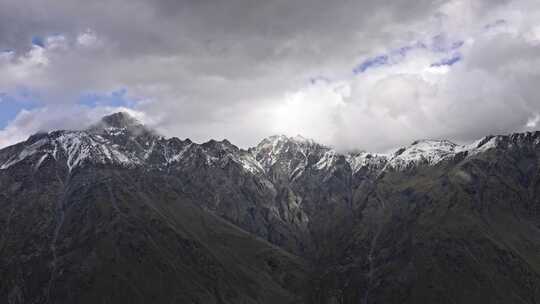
[(118, 213)]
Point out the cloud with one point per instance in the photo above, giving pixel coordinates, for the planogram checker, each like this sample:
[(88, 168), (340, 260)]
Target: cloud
[(353, 74), (533, 121), (44, 119)]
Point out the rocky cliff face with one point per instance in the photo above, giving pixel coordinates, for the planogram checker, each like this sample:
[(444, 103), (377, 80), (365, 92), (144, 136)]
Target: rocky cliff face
[(118, 213)]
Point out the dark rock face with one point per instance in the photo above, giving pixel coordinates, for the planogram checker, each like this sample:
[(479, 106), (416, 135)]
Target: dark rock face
[(119, 214), (126, 235)]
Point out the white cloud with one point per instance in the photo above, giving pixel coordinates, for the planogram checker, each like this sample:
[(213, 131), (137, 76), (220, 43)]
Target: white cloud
[(533, 121), (230, 71), (56, 42), (30, 122), (88, 38)]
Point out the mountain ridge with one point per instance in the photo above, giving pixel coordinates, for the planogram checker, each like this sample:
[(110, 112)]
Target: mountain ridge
[(118, 213), (121, 123)]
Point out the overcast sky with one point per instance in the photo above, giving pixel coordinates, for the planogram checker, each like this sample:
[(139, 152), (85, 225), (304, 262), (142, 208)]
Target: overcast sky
[(367, 75)]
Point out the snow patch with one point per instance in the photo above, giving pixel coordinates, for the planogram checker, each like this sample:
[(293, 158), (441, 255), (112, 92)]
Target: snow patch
[(25, 153), (40, 161), (425, 152), (328, 160), (250, 164), (364, 159), (430, 152), (178, 155), (480, 146)]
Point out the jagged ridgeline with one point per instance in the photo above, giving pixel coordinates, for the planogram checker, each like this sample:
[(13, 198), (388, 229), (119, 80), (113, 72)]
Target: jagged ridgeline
[(119, 214)]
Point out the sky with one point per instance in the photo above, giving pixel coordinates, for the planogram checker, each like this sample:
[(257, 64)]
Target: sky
[(356, 75)]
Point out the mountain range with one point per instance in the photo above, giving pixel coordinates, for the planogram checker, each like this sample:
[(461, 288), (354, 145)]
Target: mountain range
[(117, 213)]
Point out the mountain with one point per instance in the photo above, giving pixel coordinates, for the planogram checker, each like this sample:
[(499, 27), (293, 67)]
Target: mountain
[(118, 213)]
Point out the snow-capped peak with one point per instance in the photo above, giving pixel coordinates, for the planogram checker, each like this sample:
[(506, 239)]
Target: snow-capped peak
[(120, 140), (121, 120), (292, 152), (420, 152), (371, 161), (120, 124), (423, 151)]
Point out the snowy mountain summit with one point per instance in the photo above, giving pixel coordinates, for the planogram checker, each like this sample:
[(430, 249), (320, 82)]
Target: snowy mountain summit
[(122, 141)]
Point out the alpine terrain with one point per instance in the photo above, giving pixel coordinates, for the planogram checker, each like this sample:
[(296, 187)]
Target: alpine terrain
[(119, 214)]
